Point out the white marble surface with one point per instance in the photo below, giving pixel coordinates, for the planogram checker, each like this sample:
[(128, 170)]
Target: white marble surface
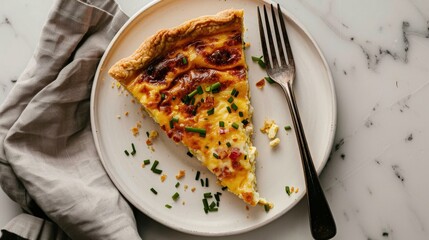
[(378, 52)]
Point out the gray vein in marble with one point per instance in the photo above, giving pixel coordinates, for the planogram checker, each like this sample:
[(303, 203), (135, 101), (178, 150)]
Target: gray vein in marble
[(373, 57), (397, 170)]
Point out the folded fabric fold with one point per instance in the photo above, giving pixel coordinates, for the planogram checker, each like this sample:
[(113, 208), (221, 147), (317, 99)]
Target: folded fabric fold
[(48, 160)]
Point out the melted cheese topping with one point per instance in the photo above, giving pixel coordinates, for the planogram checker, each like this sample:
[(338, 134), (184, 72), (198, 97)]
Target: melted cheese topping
[(166, 88)]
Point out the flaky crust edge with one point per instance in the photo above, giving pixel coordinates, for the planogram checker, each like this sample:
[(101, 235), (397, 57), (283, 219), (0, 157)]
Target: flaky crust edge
[(164, 40)]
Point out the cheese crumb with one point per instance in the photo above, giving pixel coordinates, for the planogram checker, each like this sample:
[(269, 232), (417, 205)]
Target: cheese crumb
[(180, 175), (126, 113), (272, 132), (135, 131), (275, 142), (163, 177), (185, 187), (118, 116), (271, 128)]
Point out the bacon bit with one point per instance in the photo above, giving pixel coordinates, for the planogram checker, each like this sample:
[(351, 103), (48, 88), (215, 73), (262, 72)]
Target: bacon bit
[(247, 207), (149, 142), (193, 189), (126, 113), (180, 175), (133, 100), (163, 177), (235, 153), (260, 84)]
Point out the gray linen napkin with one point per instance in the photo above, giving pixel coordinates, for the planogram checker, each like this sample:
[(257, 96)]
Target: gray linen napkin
[(48, 161)]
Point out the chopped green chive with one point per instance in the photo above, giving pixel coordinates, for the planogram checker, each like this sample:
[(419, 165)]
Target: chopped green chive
[(197, 177), (245, 122), (233, 92), (215, 86), (134, 149), (241, 114), (196, 130), (207, 182), (236, 93), (245, 157), (228, 144), (193, 102), (154, 165), (210, 112), (287, 128), (255, 59), (230, 99), (189, 154), (212, 205), (208, 89), (269, 80), (193, 93), (175, 196), (213, 209), (221, 124), (154, 169), (177, 185), (217, 196), (147, 134), (173, 120), (234, 107), (205, 203), (202, 182), (259, 61), (262, 63), (200, 90), (235, 125), (162, 97), (229, 109), (146, 162), (267, 208), (224, 188), (168, 206), (126, 153), (184, 60), (219, 143), (208, 195), (287, 189), (216, 156), (154, 191)]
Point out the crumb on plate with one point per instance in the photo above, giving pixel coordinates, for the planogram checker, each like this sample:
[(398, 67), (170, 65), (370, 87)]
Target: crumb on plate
[(180, 175)]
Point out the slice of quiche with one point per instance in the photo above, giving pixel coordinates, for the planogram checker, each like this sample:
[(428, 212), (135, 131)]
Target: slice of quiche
[(192, 80)]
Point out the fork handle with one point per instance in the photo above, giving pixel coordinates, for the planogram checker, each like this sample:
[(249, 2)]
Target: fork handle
[(322, 223)]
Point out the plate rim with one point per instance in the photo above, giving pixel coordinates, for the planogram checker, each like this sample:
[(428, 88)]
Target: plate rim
[(332, 129)]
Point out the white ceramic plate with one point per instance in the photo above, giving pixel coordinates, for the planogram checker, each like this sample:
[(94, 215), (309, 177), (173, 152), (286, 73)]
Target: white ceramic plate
[(276, 168)]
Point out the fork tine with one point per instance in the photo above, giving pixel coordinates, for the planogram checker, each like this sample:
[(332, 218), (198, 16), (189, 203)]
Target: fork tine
[(285, 37), (263, 41), (270, 40), (279, 41)]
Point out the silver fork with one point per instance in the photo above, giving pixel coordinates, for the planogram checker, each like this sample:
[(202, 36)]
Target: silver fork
[(283, 72)]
